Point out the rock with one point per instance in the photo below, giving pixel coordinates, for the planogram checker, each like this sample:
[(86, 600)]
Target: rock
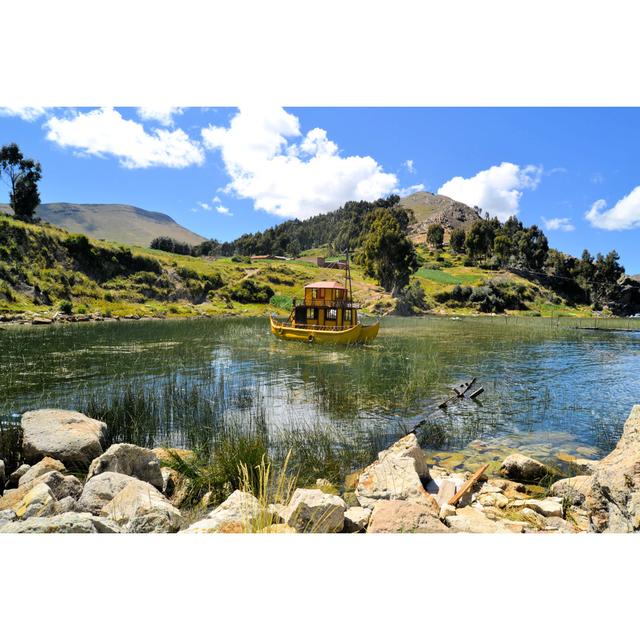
[(356, 519), (471, 520), (534, 518), (65, 505), (6, 516), (519, 467), (278, 528), (68, 436), (44, 466), (14, 479), (101, 489), (61, 486), (237, 514), (497, 499), (168, 455), (391, 479), (584, 466), (323, 482), (130, 460), (613, 500), (2, 477), (170, 477), (446, 491), (141, 508), (408, 447), (278, 512), (399, 516), (548, 507), (63, 523), (573, 490), (579, 518), (37, 501), (312, 511), (446, 510)]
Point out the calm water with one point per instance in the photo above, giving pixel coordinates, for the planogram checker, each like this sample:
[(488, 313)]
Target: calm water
[(544, 383)]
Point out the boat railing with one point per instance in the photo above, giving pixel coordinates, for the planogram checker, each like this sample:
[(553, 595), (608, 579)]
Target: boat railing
[(314, 327), (318, 303)]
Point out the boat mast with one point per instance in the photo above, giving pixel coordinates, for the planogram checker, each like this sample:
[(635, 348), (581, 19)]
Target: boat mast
[(347, 277)]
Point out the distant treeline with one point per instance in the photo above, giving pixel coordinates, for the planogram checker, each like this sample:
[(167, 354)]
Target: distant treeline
[(337, 229)]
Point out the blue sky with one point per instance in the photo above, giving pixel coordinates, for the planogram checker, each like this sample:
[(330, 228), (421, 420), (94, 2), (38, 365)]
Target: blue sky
[(223, 172)]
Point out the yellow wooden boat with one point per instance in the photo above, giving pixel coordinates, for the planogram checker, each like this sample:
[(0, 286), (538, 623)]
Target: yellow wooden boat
[(326, 315)]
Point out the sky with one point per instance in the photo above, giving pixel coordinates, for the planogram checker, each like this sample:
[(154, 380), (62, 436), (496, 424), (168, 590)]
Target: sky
[(222, 172)]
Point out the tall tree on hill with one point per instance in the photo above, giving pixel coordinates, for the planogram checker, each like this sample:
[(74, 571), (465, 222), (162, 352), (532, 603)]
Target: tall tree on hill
[(386, 252), (435, 235), (22, 176), (479, 242), (457, 239)]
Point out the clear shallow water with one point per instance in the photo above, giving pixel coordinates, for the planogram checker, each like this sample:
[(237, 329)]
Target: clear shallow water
[(547, 385)]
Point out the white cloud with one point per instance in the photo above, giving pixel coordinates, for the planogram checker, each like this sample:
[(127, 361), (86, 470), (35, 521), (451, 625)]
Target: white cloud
[(597, 178), (558, 224), (407, 191), (105, 132), (497, 190), (289, 179), (625, 214), (25, 113), (410, 167), (204, 205), (163, 115), (223, 210)]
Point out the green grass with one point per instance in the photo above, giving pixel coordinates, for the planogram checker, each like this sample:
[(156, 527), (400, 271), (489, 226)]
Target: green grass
[(444, 277)]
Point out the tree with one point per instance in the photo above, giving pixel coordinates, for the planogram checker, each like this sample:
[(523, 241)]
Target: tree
[(22, 175), (606, 274), (479, 240), (435, 235), (457, 239), (532, 247), (387, 254), (502, 248)]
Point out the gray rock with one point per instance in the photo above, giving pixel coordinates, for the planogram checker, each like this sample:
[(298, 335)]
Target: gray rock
[(44, 466), (101, 489), (408, 447), (6, 516), (312, 511), (61, 486), (38, 501), (141, 508), (68, 436), (356, 519), (400, 516), (472, 520), (548, 507), (239, 513), (573, 490), (63, 523), (14, 478), (523, 468), (130, 460)]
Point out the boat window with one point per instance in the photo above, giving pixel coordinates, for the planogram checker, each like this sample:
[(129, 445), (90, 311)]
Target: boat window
[(347, 316), (320, 293), (312, 313), (332, 314)]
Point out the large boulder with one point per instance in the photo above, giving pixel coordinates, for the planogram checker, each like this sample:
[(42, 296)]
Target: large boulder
[(549, 507), (472, 520), (131, 460), (312, 511), (524, 469), (613, 500), (62, 523), (61, 486), (101, 489), (391, 479), (408, 447), (38, 501), (45, 465), (68, 436), (141, 508), (573, 490), (399, 516), (237, 514)]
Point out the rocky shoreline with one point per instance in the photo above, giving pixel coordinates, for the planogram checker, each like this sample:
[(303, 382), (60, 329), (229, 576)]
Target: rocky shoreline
[(69, 483)]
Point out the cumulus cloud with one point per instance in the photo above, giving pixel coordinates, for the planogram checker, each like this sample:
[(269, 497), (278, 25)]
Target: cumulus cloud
[(409, 165), (497, 190), (625, 214), (163, 115), (407, 191), (204, 205), (558, 224), (25, 113), (223, 210), (287, 173), (105, 132)]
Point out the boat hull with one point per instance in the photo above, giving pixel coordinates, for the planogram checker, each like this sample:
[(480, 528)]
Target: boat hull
[(353, 335)]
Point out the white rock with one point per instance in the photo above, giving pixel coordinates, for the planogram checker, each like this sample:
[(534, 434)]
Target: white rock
[(356, 519), (141, 508), (400, 516), (574, 490), (237, 514), (446, 491), (6, 516), (391, 479), (408, 447), (63, 523), (68, 436), (130, 460), (470, 520), (447, 510), (101, 489), (547, 507), (312, 511), (520, 467)]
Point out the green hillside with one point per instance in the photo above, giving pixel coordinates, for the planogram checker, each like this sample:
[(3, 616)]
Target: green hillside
[(115, 222)]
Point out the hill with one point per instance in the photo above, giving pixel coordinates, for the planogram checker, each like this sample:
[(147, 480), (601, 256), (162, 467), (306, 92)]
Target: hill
[(115, 222), (429, 208)]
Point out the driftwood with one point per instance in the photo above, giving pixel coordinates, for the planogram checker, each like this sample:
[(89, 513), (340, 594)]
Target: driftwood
[(468, 484), (477, 392)]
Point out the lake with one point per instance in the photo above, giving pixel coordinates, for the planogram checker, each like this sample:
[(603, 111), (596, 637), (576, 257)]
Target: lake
[(548, 386)]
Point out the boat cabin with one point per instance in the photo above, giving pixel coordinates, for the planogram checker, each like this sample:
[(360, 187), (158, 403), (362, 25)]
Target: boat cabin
[(326, 304)]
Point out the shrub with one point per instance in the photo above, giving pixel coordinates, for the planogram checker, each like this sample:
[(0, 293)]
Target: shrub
[(249, 291), (66, 307), (411, 300)]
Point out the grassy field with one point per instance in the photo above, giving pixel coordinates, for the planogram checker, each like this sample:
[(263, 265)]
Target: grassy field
[(43, 267)]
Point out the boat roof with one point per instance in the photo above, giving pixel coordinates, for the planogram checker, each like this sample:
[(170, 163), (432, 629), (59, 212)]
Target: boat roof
[(325, 284)]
